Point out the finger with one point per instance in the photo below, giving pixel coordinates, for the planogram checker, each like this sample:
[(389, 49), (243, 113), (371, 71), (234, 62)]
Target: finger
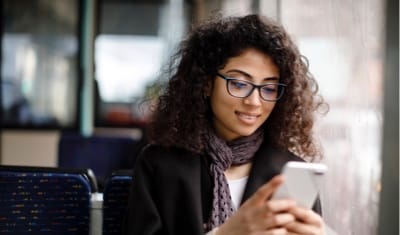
[(278, 220), (307, 216), (276, 231), (297, 227), (265, 191), (279, 205)]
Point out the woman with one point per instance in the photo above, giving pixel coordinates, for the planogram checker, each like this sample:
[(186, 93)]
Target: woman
[(239, 104)]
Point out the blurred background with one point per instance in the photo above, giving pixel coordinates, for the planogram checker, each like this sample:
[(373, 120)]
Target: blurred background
[(89, 67)]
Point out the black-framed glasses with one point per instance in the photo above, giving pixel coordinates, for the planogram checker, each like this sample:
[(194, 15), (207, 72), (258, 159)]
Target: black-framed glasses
[(242, 89)]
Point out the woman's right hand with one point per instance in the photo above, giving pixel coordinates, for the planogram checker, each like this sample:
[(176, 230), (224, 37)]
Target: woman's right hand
[(260, 216)]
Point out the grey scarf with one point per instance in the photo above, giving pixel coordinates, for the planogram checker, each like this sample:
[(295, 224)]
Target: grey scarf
[(224, 154)]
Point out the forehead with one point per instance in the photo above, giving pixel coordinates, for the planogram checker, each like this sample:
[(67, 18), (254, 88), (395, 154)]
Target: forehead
[(253, 62)]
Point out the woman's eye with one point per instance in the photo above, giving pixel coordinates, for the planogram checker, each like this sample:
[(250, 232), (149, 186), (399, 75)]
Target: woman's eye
[(238, 84), (272, 88)]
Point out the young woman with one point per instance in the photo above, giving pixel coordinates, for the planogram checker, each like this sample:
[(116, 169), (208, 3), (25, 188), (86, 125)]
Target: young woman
[(239, 104)]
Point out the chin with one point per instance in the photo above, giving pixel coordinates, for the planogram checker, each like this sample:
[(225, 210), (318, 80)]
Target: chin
[(247, 132)]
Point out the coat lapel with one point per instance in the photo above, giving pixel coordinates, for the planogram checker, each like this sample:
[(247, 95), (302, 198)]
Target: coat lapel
[(267, 163)]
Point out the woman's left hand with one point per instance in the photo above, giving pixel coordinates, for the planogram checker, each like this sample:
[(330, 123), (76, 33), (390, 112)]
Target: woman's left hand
[(307, 222)]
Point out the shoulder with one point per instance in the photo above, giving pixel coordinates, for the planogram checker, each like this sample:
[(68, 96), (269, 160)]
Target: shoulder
[(160, 158), (153, 152), (293, 157)]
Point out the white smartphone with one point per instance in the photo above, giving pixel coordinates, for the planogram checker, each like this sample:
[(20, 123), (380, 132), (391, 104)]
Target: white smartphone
[(302, 182)]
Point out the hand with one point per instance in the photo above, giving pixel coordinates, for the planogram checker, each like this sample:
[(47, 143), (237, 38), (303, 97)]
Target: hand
[(307, 222), (261, 216)]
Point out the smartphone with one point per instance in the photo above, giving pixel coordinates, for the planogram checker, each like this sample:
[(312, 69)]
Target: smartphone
[(302, 182)]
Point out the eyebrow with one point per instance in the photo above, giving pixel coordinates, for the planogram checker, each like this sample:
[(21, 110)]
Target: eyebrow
[(251, 77)]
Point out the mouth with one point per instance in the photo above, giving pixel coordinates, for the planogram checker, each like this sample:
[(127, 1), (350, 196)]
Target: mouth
[(248, 118)]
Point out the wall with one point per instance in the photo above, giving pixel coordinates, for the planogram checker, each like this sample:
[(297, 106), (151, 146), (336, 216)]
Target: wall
[(33, 148)]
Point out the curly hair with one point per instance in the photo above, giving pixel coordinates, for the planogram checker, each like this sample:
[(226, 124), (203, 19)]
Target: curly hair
[(183, 113)]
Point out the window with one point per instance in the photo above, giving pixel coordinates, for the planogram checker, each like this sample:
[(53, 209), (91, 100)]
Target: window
[(135, 39), (343, 41), (39, 68)]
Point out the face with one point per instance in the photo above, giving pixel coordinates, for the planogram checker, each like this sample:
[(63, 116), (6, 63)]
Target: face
[(236, 117)]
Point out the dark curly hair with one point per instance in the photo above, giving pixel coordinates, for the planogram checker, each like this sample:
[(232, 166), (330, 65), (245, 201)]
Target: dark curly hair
[(183, 113)]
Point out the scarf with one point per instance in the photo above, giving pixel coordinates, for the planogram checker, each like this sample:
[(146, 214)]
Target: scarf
[(224, 154)]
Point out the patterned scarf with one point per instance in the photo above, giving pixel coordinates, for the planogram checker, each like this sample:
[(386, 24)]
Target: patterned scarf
[(224, 154)]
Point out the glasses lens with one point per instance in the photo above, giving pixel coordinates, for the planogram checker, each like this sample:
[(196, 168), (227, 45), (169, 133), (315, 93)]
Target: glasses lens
[(239, 88), (242, 89), (271, 91)]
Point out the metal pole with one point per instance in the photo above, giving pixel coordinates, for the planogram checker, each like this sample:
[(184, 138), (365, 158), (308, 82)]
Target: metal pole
[(87, 108), (389, 198)]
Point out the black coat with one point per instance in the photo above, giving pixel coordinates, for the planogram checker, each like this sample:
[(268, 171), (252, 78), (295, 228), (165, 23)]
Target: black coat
[(172, 189)]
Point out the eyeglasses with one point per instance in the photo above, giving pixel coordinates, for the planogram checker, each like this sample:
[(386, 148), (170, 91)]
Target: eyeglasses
[(242, 89)]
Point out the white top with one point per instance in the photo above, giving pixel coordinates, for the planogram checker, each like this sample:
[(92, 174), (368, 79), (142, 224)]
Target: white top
[(236, 187)]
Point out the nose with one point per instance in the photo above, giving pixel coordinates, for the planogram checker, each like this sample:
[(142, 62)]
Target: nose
[(254, 98)]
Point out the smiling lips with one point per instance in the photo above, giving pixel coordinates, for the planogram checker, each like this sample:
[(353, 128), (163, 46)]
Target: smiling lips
[(247, 118)]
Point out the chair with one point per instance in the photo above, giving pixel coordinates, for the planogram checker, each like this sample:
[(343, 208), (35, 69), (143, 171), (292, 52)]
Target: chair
[(115, 201), (45, 200), (102, 154)]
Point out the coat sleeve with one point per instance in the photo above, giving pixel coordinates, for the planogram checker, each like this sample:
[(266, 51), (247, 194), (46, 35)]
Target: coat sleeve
[(142, 215)]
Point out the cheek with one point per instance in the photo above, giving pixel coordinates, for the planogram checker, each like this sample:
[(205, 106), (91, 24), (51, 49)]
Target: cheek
[(220, 104), (267, 109), (220, 99)]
